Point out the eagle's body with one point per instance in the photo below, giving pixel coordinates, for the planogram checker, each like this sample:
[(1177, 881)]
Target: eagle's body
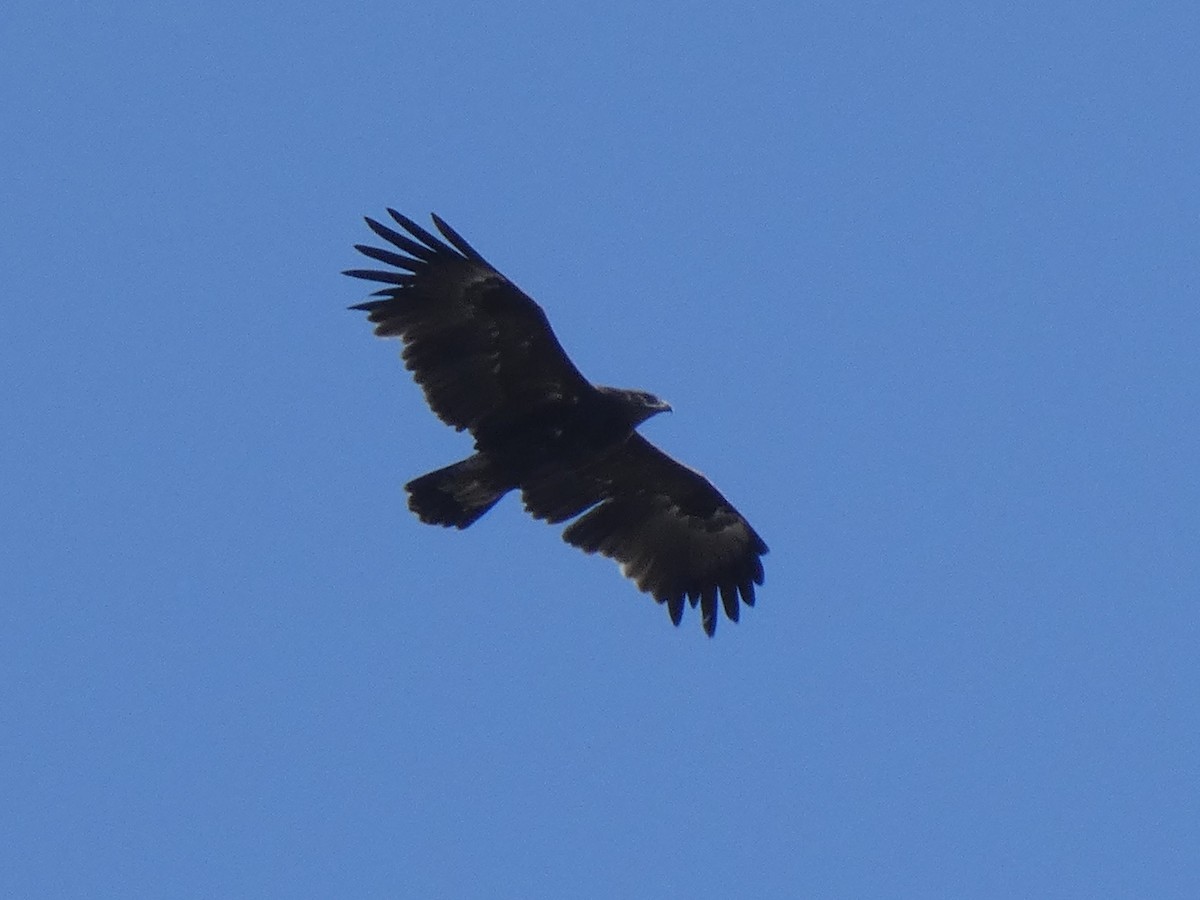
[(489, 363)]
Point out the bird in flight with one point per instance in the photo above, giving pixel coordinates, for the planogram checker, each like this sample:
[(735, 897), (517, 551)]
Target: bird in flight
[(484, 354)]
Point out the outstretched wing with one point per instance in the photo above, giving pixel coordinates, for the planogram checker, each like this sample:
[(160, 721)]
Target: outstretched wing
[(476, 343), (670, 530)]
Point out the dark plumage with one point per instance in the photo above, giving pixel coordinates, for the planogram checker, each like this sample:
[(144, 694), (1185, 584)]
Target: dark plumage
[(489, 363)]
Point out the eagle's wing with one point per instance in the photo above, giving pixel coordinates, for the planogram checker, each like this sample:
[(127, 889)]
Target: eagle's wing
[(670, 530), (473, 340)]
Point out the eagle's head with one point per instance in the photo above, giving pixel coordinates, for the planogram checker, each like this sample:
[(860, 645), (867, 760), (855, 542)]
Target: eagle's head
[(638, 405)]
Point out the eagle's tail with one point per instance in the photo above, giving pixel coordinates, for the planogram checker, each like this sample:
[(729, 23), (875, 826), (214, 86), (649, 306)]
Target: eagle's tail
[(459, 494)]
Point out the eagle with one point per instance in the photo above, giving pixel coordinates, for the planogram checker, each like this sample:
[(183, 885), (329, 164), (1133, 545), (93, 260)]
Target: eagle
[(488, 362)]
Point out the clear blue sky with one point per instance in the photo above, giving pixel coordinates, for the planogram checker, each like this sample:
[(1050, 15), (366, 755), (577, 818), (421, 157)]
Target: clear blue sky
[(920, 281)]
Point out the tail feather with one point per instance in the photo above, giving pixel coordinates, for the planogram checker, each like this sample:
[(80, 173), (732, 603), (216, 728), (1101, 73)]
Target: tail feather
[(459, 494)]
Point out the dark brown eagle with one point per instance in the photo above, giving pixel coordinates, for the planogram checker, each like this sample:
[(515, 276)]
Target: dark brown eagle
[(485, 355)]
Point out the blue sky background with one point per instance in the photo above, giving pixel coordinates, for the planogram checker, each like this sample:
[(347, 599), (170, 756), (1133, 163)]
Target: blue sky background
[(921, 283)]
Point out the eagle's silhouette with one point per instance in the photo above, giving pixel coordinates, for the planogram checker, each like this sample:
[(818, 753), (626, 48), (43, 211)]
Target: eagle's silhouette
[(485, 355)]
